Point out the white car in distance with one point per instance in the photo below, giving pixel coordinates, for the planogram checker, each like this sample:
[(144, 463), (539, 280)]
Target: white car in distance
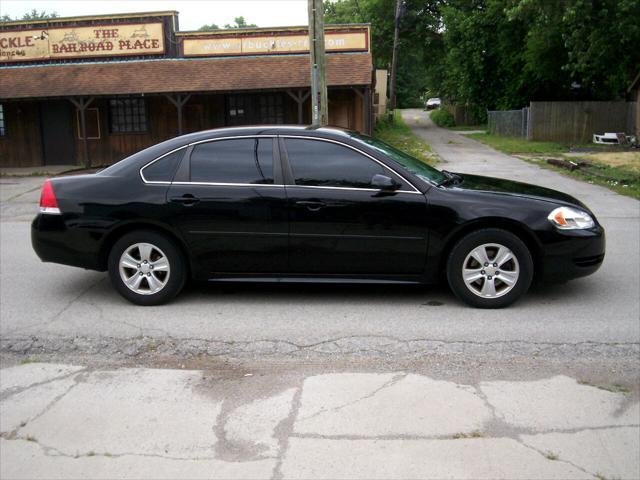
[(433, 103)]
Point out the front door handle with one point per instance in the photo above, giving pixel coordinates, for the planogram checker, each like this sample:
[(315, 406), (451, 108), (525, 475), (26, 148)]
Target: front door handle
[(312, 205), (187, 200)]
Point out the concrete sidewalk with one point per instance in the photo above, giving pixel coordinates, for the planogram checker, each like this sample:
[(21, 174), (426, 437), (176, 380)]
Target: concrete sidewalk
[(38, 171), (63, 421)]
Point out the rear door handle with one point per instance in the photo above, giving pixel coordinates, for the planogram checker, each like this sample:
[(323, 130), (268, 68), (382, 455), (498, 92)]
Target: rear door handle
[(187, 200), (312, 206)]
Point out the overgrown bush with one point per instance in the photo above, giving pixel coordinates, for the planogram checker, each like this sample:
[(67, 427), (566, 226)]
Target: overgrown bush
[(443, 118)]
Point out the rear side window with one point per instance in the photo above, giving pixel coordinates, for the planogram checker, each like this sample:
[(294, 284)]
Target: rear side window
[(246, 160), (324, 164), (164, 169)]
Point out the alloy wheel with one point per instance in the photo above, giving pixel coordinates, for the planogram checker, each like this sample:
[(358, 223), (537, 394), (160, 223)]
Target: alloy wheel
[(490, 270), (144, 268)]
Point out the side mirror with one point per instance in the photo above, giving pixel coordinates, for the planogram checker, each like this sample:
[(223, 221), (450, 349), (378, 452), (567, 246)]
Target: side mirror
[(383, 182)]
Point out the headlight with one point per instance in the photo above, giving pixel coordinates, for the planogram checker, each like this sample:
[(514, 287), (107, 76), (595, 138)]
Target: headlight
[(567, 218)]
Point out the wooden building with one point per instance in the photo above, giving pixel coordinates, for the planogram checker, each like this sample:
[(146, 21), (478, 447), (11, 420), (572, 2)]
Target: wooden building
[(93, 90)]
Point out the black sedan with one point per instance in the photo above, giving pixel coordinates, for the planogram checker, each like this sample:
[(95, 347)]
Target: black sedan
[(296, 204)]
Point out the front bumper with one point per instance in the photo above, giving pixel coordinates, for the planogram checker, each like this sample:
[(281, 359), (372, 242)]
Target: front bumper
[(573, 254)]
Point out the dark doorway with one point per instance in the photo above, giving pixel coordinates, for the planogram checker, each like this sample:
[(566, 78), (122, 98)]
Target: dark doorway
[(56, 125)]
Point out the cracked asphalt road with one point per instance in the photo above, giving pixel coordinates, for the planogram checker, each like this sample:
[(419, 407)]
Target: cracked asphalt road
[(48, 308)]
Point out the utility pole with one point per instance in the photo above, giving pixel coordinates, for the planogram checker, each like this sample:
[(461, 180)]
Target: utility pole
[(394, 59), (320, 111)]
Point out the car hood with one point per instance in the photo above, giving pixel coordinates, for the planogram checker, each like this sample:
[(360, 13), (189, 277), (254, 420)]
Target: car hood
[(519, 189)]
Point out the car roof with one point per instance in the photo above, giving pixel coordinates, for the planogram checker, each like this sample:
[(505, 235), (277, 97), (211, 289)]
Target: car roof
[(159, 149), (262, 130)]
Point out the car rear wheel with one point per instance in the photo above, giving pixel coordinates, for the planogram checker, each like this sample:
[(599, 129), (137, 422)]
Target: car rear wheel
[(146, 268), (490, 268)]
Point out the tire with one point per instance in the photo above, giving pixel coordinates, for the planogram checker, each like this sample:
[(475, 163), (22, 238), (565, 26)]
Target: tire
[(501, 278), (154, 281)]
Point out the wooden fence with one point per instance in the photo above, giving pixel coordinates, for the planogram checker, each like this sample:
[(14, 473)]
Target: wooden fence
[(576, 122), (462, 114)]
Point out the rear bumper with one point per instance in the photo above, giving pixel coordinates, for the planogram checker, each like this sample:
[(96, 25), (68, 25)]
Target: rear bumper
[(54, 242), (575, 254)]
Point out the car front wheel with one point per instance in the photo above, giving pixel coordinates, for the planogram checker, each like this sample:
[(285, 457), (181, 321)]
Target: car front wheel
[(490, 268), (146, 268)]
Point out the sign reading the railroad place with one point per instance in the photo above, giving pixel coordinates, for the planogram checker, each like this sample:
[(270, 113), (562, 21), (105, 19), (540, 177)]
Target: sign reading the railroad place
[(78, 42), (272, 44)]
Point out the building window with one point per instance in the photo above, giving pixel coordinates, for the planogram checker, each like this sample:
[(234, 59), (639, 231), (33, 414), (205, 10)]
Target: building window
[(128, 115), (3, 130), (237, 109), (271, 109), (92, 123)]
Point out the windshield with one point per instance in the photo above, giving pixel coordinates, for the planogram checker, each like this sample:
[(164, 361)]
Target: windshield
[(412, 164)]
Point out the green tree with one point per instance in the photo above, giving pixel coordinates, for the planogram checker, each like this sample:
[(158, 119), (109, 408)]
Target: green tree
[(503, 53), (240, 22), (566, 49), (418, 31), (32, 15), (602, 39), (206, 28)]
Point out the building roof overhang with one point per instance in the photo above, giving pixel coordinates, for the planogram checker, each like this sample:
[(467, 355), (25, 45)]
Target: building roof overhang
[(87, 18), (221, 74)]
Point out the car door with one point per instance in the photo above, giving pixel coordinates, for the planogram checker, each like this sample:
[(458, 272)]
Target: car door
[(229, 203), (339, 224)]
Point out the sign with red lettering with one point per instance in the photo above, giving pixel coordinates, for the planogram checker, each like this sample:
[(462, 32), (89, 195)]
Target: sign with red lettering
[(78, 42)]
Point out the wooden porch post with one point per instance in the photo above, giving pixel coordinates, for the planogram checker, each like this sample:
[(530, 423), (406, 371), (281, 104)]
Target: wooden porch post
[(81, 103), (365, 96), (179, 102), (299, 98), (367, 111)]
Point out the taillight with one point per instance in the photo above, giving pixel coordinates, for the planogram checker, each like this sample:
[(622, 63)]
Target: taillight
[(48, 202)]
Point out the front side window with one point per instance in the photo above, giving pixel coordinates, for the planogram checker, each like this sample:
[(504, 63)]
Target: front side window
[(3, 130), (164, 169), (415, 166), (245, 161), (324, 164), (128, 115)]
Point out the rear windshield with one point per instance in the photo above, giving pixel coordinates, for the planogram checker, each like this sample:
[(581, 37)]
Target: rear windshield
[(412, 164)]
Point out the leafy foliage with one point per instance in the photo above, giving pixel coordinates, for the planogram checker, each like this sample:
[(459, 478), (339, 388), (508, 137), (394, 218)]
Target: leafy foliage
[(239, 22), (501, 54), (419, 27), (397, 133), (209, 27), (443, 118), (32, 15)]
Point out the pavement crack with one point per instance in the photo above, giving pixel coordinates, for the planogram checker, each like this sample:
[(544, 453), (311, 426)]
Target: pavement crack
[(157, 340), (51, 451), (66, 307), (15, 391), (284, 431), (558, 459), (18, 195), (394, 380), (13, 434)]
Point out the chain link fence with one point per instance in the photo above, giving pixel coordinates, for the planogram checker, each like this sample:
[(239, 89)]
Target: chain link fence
[(509, 123)]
